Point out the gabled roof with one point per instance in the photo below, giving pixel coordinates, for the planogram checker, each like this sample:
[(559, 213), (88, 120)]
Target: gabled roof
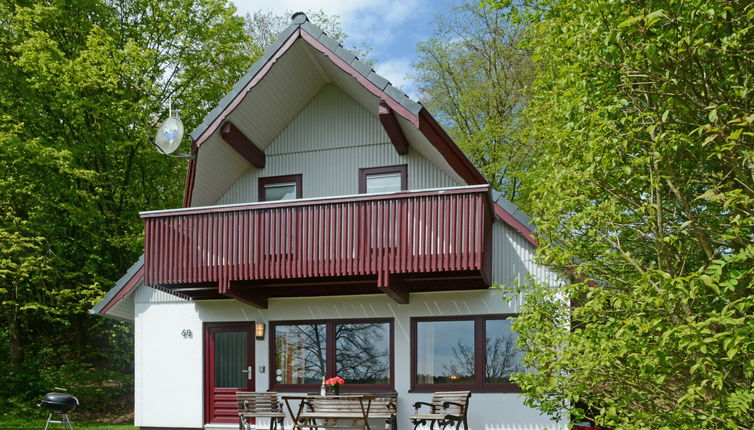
[(409, 111), (300, 24), (324, 59)]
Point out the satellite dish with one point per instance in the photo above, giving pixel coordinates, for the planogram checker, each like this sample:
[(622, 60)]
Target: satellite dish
[(169, 134)]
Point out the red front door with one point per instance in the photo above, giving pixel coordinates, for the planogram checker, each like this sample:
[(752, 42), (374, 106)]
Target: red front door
[(228, 367)]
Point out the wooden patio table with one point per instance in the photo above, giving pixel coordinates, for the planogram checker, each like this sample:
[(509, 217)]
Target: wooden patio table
[(337, 411)]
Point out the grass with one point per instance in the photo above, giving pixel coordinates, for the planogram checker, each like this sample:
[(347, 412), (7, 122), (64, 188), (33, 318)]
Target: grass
[(39, 424)]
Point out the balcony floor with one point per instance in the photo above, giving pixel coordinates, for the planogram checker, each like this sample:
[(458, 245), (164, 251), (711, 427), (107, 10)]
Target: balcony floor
[(336, 286)]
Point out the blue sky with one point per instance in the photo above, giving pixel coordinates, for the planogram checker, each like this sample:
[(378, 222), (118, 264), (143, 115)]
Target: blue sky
[(391, 27)]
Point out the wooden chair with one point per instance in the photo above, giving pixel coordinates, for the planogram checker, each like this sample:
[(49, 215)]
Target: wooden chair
[(446, 408), (385, 406), (259, 405)]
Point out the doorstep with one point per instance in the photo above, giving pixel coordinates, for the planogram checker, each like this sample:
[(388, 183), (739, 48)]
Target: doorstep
[(220, 426)]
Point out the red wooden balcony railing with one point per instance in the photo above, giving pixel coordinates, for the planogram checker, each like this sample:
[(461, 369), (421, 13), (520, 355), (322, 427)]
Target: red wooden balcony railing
[(445, 230)]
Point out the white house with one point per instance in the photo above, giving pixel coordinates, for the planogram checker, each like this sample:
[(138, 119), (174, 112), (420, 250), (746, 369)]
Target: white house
[(331, 213)]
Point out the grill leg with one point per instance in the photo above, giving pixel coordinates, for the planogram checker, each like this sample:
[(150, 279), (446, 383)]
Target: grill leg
[(67, 421)]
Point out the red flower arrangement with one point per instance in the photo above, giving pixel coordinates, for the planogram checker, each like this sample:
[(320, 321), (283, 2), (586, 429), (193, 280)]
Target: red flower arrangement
[(334, 383)]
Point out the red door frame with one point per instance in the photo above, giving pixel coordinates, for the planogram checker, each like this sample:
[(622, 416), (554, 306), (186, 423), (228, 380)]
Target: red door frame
[(224, 395)]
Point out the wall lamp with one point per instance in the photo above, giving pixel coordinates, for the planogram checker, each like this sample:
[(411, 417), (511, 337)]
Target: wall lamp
[(259, 331)]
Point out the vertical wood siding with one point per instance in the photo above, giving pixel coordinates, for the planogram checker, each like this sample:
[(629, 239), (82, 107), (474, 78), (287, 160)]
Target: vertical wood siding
[(513, 258), (330, 139)]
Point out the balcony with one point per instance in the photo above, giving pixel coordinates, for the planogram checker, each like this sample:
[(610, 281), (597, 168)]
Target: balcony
[(390, 243)]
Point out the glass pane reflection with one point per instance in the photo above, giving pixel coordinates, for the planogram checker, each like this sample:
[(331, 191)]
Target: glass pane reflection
[(445, 352), (503, 357), (383, 183), (362, 352), (284, 191), (300, 353)]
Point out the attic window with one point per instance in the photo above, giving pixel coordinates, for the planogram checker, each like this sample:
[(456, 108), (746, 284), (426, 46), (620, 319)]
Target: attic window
[(383, 179), (275, 188)]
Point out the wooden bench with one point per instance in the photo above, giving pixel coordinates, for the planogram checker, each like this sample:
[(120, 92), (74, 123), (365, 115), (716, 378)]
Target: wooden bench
[(259, 405), (344, 411), (446, 408)]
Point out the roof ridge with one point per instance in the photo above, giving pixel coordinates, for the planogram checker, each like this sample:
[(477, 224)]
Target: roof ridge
[(299, 20)]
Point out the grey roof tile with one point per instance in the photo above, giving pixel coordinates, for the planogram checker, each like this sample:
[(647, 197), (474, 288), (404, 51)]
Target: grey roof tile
[(329, 42), (345, 54), (361, 67), (378, 80), (403, 99), (312, 29)]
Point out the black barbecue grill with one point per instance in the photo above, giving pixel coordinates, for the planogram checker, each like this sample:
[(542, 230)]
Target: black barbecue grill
[(61, 404)]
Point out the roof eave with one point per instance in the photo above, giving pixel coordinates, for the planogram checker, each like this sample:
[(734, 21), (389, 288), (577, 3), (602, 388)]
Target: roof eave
[(510, 214), (122, 287)]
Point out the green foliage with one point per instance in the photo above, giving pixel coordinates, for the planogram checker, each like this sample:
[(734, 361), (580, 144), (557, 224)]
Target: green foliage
[(81, 86), (670, 352), (644, 193), (472, 74)]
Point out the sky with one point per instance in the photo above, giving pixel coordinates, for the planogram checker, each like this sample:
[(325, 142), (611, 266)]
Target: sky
[(391, 27)]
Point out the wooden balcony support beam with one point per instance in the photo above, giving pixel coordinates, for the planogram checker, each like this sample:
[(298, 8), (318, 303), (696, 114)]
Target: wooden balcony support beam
[(247, 295), (393, 129), (243, 145), (392, 286)]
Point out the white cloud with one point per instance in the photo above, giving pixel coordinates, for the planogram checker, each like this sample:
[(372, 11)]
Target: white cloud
[(388, 26), (396, 71), (374, 22), (332, 7)]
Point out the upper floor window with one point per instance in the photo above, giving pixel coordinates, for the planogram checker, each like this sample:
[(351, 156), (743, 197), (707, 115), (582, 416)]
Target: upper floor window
[(383, 179), (453, 353), (359, 351), (275, 188)]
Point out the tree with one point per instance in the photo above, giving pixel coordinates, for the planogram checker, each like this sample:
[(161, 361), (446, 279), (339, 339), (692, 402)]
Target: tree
[(81, 84), (644, 195), (472, 74)]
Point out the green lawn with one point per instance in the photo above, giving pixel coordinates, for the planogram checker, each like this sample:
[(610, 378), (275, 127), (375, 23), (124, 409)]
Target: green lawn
[(39, 424)]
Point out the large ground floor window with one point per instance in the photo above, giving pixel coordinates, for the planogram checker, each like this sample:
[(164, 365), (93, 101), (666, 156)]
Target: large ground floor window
[(358, 350), (476, 352)]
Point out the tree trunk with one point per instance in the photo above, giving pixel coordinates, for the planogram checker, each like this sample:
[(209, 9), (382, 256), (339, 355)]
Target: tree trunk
[(14, 335), (79, 324)]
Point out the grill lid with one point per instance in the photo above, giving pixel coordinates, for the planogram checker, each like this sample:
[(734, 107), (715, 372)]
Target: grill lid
[(60, 403)]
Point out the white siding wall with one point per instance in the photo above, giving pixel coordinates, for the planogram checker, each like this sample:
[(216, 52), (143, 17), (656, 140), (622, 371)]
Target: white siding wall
[(513, 258), (330, 139), (175, 372), (167, 368)]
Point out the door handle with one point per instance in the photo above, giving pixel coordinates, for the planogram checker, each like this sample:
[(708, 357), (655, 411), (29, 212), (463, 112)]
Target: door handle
[(248, 372)]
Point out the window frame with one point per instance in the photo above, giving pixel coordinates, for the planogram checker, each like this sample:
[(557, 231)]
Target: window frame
[(330, 356), (270, 180), (480, 357), (401, 169)]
